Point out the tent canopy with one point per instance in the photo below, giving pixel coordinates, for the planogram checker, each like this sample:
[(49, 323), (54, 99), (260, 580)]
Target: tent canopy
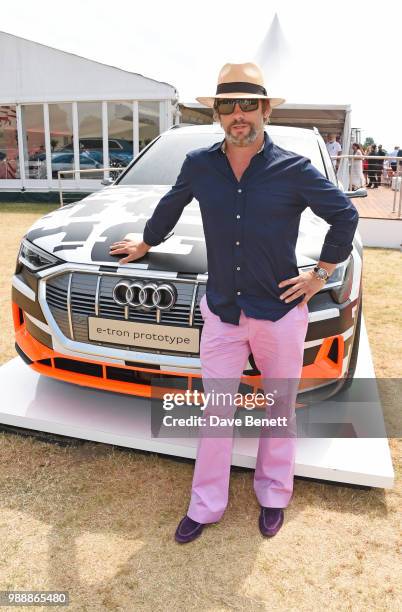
[(32, 72), (326, 118)]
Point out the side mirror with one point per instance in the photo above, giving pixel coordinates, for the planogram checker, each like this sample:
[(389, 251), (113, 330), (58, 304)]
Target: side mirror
[(107, 182), (358, 193)]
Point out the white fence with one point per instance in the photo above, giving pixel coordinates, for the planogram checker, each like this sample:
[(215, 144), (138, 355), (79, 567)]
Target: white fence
[(388, 173), (67, 196)]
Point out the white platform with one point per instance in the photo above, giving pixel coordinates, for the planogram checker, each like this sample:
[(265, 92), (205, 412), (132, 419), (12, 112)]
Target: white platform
[(35, 402), (384, 233)]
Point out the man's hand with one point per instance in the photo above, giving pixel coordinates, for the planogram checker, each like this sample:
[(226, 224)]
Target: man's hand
[(134, 247), (306, 283)]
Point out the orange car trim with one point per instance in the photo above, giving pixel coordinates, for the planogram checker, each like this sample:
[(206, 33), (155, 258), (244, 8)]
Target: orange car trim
[(323, 367)]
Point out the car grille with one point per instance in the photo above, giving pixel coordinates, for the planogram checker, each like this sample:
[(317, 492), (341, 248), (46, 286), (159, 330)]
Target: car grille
[(92, 295)]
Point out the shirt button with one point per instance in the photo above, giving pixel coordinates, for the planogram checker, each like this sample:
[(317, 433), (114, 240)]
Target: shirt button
[(238, 268), (238, 216), (237, 242), (239, 292), (239, 191)]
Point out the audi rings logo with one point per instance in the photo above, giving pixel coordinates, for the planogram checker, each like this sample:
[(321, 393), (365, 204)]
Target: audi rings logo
[(149, 295)]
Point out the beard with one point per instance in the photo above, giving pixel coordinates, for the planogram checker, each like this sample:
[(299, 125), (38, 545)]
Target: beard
[(243, 141)]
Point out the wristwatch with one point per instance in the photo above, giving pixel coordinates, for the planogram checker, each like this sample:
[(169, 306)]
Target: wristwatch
[(321, 273)]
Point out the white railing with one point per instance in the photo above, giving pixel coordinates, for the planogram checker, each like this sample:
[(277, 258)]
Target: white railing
[(395, 176), (111, 176)]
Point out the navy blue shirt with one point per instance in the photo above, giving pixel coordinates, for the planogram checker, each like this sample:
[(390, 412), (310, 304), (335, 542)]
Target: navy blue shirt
[(251, 226)]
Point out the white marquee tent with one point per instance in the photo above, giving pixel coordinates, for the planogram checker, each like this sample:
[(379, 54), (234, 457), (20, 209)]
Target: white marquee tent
[(54, 104)]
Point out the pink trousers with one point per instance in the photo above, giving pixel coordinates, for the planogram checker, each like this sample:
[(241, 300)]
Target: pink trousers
[(277, 347)]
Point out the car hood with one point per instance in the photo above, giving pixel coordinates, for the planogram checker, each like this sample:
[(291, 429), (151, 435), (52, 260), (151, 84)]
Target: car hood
[(83, 232)]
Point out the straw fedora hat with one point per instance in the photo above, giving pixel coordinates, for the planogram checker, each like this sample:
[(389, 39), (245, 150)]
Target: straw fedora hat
[(240, 81)]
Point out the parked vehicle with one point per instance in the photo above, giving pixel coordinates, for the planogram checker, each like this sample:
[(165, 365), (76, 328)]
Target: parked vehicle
[(119, 148), (73, 303)]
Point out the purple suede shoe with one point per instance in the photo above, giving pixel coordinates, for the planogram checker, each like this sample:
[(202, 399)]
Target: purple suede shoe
[(270, 521), (187, 530)]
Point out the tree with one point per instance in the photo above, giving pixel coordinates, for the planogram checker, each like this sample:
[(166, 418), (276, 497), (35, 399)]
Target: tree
[(369, 141)]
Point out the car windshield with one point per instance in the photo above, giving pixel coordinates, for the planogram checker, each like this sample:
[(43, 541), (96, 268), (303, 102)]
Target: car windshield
[(161, 163)]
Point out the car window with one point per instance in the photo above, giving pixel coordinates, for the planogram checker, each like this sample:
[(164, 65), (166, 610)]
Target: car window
[(161, 163), (91, 143), (63, 158)]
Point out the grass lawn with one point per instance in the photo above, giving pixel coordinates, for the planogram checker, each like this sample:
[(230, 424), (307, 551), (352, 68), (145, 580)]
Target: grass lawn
[(35, 208), (98, 521)]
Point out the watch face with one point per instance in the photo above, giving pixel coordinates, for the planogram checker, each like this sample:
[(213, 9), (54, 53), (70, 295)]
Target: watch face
[(321, 273)]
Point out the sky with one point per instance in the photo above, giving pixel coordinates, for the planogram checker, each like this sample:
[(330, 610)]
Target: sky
[(339, 51)]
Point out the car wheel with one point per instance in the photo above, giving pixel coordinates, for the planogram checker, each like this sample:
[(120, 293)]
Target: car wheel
[(355, 350)]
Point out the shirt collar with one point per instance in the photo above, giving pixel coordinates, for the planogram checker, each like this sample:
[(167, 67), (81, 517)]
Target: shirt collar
[(223, 147), (265, 149)]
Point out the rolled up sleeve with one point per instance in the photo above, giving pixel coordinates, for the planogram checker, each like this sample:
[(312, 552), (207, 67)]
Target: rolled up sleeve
[(169, 209), (331, 204)]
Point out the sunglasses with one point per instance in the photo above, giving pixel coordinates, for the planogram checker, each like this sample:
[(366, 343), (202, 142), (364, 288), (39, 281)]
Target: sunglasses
[(226, 106)]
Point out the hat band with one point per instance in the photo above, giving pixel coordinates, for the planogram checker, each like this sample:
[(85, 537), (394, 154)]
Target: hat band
[(234, 87)]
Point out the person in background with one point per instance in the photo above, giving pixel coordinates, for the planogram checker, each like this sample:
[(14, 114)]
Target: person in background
[(356, 168), (399, 166), (394, 153), (380, 164), (334, 148), (366, 151), (372, 167)]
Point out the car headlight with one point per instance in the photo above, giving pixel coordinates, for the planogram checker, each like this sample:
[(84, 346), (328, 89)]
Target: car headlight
[(339, 282), (35, 258)]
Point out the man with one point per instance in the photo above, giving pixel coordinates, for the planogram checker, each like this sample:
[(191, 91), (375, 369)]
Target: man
[(399, 167), (334, 149), (251, 194), (394, 154), (380, 165), (372, 168)]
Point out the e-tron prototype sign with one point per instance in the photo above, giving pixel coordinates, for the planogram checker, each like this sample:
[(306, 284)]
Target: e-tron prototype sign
[(147, 335)]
